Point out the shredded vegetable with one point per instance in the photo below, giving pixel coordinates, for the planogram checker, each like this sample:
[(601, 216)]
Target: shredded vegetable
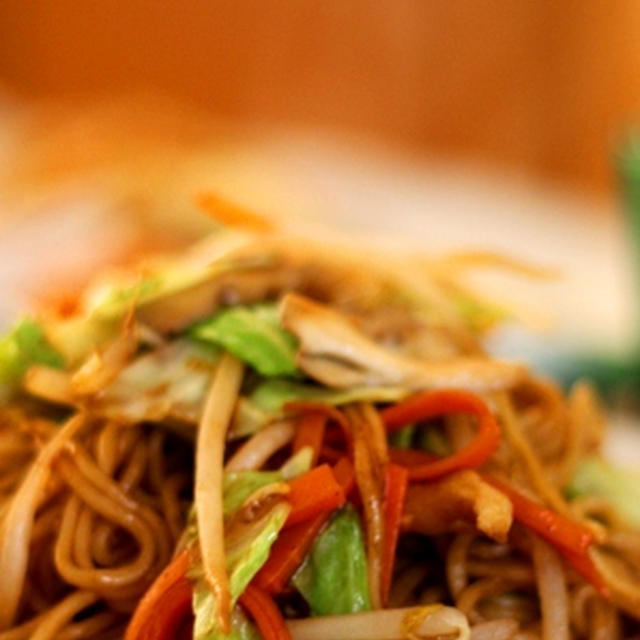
[(429, 405), (312, 493), (23, 346), (333, 577), (265, 613), (294, 543), (395, 490), (253, 335), (165, 605)]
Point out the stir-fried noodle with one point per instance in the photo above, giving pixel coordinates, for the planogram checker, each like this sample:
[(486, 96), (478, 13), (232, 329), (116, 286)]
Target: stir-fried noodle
[(302, 444)]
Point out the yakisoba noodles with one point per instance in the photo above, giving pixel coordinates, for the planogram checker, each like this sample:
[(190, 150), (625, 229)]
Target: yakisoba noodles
[(269, 437)]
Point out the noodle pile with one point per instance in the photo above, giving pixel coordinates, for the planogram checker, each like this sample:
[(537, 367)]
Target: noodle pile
[(106, 521), (102, 460)]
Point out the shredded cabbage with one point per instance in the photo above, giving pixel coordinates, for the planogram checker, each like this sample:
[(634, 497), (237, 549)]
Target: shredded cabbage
[(247, 546), (621, 487), (272, 395), (240, 485), (254, 335), (155, 289), (169, 382), (333, 577), (265, 404), (23, 346), (241, 627), (245, 553)]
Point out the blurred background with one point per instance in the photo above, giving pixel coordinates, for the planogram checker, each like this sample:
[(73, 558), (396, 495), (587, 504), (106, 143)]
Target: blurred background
[(429, 125), (536, 86)]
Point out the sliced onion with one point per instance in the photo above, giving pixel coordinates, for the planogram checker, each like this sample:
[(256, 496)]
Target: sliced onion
[(334, 352), (432, 621), (258, 449), (169, 382)]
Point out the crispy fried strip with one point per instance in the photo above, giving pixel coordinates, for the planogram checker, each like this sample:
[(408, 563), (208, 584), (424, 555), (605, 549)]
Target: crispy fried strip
[(459, 502)]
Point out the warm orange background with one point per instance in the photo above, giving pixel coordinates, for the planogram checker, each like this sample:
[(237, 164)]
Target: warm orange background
[(543, 86)]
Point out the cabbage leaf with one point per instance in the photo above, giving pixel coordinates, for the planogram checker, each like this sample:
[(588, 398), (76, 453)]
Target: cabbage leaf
[(247, 546), (239, 485), (203, 607), (253, 334), (169, 382), (333, 577), (23, 346), (272, 395), (266, 402), (621, 487)]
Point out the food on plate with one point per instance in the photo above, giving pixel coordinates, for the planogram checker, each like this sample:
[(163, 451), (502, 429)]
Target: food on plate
[(271, 437)]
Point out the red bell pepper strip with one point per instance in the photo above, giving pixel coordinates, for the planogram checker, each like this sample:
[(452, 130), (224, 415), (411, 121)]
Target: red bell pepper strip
[(330, 454), (584, 567), (318, 407), (432, 404), (411, 457), (560, 531), (396, 481), (293, 544), (312, 493), (265, 613), (310, 433), (334, 436), (570, 538), (165, 606)]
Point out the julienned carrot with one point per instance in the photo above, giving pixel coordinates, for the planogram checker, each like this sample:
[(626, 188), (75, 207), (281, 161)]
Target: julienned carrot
[(396, 482), (569, 536), (293, 544), (265, 613), (312, 493), (287, 554), (432, 404), (232, 215), (165, 606), (310, 433), (345, 475)]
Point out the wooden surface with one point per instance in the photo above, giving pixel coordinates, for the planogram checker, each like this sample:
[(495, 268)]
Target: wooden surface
[(540, 86)]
